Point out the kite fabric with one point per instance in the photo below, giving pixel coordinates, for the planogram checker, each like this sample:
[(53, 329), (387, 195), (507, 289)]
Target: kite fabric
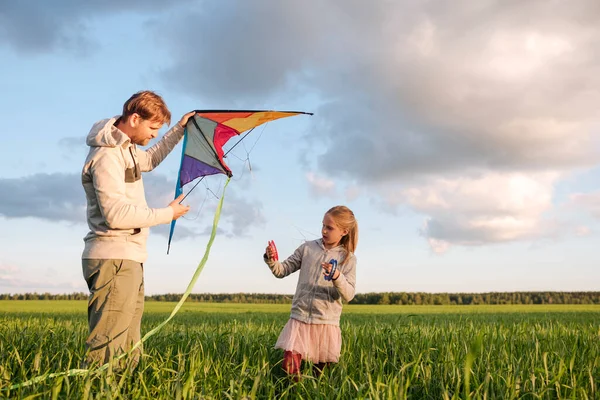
[(205, 135)]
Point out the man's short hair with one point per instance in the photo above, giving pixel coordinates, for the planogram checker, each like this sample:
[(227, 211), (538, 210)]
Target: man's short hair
[(147, 105)]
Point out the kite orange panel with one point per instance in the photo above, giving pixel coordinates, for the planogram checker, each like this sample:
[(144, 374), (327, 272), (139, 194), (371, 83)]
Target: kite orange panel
[(256, 119)]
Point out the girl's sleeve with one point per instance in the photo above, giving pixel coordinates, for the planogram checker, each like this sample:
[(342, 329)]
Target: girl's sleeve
[(289, 266), (346, 281)]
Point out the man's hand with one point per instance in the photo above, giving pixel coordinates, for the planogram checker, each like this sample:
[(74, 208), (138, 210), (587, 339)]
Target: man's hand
[(178, 209), (186, 117)]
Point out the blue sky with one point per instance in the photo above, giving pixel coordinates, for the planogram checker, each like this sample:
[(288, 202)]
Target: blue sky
[(463, 137)]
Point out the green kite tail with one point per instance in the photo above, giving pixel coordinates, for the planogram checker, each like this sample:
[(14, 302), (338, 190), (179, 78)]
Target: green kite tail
[(74, 372)]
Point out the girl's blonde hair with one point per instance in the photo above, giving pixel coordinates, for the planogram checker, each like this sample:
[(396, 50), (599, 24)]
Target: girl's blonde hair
[(344, 218)]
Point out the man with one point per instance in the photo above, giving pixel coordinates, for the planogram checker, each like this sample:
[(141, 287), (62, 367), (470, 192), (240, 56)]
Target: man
[(119, 220)]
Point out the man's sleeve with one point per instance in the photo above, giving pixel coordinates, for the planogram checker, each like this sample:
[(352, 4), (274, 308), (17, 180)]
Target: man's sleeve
[(149, 159), (108, 175)]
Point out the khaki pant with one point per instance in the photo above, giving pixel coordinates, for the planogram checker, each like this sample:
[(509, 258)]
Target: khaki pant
[(115, 309)]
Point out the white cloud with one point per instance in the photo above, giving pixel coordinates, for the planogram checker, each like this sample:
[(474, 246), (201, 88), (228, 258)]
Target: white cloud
[(8, 268), (587, 202), (320, 186), (414, 96), (438, 246), (39, 27), (52, 197), (352, 192), (14, 278), (583, 230), (487, 209)]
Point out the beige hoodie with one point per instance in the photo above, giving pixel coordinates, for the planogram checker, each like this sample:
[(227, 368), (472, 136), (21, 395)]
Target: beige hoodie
[(318, 301), (117, 213)]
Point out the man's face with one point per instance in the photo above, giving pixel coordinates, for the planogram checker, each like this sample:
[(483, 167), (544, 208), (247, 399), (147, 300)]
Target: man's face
[(143, 130)]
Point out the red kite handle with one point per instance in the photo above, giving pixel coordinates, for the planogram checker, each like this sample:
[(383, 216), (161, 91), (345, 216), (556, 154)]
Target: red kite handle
[(273, 250)]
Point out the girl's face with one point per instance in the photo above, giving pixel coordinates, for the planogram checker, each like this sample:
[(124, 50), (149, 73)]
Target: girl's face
[(331, 233)]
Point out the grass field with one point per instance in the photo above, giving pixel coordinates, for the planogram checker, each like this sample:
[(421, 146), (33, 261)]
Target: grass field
[(217, 351)]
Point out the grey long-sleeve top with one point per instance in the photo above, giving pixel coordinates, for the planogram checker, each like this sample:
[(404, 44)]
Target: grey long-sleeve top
[(318, 301)]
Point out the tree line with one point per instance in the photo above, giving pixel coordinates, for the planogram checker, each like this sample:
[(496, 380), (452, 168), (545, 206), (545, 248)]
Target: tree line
[(400, 298)]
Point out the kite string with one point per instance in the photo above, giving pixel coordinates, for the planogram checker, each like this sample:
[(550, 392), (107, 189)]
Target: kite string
[(74, 372), (193, 187), (208, 190), (247, 159), (257, 139), (239, 141)]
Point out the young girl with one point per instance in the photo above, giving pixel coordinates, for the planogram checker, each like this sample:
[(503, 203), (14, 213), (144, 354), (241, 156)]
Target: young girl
[(313, 332)]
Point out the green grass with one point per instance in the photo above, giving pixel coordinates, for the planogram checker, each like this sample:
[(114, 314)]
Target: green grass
[(152, 307), (225, 351)]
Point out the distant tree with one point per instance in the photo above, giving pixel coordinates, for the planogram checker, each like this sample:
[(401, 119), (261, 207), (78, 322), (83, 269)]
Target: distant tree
[(406, 298), (385, 299)]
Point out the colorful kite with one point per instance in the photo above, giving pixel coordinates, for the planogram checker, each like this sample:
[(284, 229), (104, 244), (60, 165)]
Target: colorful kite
[(205, 135)]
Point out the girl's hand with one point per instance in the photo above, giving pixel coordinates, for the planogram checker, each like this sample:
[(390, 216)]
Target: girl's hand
[(327, 269)]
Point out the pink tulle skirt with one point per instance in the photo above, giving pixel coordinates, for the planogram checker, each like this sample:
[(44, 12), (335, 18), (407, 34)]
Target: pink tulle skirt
[(316, 342)]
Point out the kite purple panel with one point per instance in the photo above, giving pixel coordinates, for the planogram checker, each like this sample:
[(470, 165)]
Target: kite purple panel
[(192, 169)]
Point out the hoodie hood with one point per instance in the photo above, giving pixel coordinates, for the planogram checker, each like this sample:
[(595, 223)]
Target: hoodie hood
[(104, 133)]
